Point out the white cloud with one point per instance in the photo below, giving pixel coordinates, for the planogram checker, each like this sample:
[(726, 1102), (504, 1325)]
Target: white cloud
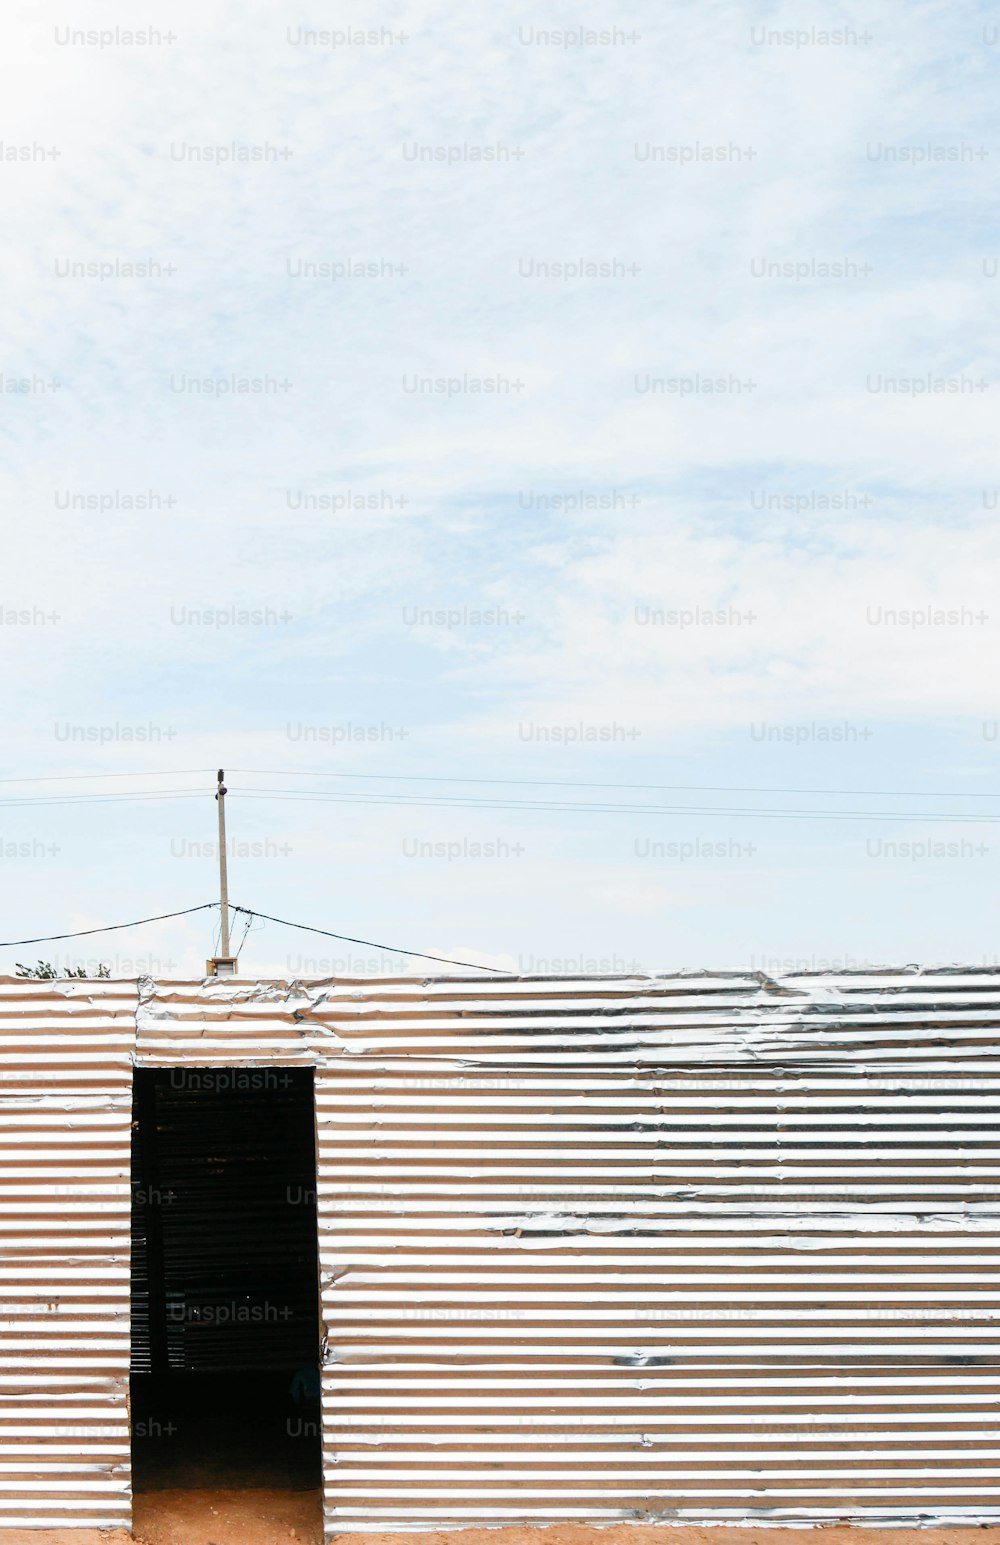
[(818, 189)]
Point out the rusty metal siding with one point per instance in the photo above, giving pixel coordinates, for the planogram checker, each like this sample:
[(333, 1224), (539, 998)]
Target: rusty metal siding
[(703, 1247), (65, 1121)]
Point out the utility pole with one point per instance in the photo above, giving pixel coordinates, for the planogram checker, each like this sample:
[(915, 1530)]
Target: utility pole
[(223, 869), (225, 963)]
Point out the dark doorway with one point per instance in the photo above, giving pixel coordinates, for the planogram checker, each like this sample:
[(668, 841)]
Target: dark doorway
[(225, 1280)]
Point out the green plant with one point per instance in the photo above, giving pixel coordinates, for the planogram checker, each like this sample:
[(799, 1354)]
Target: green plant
[(45, 971)]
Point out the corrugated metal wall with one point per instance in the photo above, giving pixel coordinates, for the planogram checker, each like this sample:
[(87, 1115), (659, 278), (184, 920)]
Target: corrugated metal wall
[(65, 1120), (640, 1250), (702, 1247), (705, 1248)]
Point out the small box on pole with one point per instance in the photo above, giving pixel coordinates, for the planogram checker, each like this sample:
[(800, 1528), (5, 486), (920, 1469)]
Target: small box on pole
[(221, 965)]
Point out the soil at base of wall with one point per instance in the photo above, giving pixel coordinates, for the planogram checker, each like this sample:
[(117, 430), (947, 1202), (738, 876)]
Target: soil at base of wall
[(258, 1517)]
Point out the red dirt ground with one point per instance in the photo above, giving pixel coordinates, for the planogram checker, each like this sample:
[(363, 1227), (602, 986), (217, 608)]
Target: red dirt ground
[(251, 1517)]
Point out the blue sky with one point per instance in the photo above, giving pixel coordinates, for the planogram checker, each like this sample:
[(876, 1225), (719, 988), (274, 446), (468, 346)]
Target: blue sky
[(774, 569)]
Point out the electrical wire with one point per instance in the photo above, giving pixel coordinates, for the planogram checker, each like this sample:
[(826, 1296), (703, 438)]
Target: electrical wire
[(347, 938), (562, 783), (250, 913), (52, 938), (177, 772), (102, 799), (472, 802), (246, 934), (476, 802)]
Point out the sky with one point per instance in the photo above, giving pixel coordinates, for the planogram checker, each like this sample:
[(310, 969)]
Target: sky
[(593, 407)]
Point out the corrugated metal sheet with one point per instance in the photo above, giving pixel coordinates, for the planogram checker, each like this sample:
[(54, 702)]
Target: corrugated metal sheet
[(703, 1247), (65, 1119)]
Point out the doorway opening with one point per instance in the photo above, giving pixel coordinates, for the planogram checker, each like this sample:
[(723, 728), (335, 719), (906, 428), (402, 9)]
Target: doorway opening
[(225, 1361)]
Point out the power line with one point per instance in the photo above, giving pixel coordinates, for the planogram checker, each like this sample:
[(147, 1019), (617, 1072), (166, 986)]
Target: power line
[(102, 799), (471, 802), (177, 772), (246, 935), (346, 938), (475, 802), (562, 783), (250, 914), (52, 938)]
